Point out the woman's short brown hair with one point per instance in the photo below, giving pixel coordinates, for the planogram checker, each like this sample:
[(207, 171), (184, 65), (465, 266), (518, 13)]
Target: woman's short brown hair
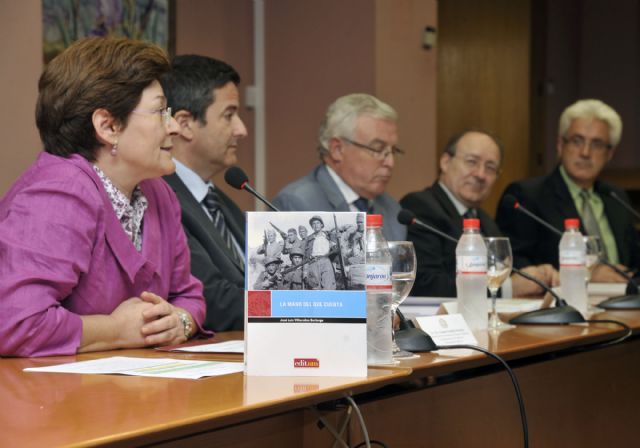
[(93, 73)]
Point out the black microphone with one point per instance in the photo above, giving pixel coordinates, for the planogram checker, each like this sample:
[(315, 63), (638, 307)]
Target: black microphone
[(408, 218), (629, 301), (512, 202), (560, 314), (237, 178), (622, 202)]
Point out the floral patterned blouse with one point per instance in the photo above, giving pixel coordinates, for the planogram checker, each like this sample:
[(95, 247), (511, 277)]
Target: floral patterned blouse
[(130, 213)]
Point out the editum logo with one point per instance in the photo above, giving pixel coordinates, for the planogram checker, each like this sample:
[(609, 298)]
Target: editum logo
[(312, 363)]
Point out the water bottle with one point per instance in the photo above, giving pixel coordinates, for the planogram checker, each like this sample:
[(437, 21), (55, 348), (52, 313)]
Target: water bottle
[(573, 270), (471, 276), (379, 294)]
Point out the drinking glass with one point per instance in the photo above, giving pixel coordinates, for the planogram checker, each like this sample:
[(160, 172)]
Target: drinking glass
[(593, 246), (499, 263), (403, 274)]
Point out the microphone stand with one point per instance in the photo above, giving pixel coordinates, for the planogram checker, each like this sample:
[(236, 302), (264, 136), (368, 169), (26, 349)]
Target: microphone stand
[(629, 301), (412, 339), (622, 202), (560, 314)]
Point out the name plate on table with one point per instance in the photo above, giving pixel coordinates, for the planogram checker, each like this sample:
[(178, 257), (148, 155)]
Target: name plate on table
[(447, 329), (305, 302)]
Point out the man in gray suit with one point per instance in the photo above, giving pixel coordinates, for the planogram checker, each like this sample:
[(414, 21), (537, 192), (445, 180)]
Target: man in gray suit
[(203, 95), (357, 147)]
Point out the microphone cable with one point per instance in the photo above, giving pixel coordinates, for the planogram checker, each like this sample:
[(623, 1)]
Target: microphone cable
[(628, 332), (514, 381), (338, 433)]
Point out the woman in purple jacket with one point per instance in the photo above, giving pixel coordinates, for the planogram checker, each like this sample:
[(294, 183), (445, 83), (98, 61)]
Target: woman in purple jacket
[(92, 252)]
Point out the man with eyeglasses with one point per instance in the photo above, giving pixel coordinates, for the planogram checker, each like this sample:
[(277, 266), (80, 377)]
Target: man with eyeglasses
[(469, 167), (357, 147), (589, 132), (203, 95)]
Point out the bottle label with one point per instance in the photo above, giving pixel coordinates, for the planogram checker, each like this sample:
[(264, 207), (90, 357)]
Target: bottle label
[(471, 264), (572, 258), (378, 277)]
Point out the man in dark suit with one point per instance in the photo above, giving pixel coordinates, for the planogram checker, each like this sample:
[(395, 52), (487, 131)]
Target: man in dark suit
[(469, 166), (357, 146), (203, 95), (589, 132)]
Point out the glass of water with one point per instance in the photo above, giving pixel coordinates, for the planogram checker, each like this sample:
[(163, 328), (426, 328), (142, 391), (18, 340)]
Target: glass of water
[(593, 246), (403, 274), (499, 263)]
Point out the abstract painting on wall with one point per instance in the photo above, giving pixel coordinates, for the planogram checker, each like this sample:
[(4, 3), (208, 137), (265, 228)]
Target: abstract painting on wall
[(65, 21)]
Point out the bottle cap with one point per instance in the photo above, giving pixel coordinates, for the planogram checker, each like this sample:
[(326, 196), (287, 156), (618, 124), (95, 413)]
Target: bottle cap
[(471, 223), (572, 223), (374, 220)]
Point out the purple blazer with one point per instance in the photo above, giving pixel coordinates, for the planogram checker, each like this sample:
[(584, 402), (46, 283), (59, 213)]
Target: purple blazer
[(63, 253)]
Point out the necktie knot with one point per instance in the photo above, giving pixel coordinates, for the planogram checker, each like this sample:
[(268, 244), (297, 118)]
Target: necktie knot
[(471, 213), (362, 204), (585, 195), (212, 200)]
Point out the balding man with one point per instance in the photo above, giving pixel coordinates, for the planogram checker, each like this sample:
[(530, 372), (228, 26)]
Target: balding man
[(469, 167)]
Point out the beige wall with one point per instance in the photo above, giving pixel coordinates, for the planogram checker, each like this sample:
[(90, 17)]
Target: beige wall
[(316, 50), (223, 29), (320, 50), (406, 78), (484, 78), (313, 56), (21, 56)]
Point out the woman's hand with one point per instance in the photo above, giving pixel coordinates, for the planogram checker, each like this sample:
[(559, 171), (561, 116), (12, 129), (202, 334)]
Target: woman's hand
[(136, 322), (163, 325), (120, 329)]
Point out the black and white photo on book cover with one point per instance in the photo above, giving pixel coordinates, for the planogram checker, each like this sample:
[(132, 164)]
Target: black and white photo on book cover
[(306, 250)]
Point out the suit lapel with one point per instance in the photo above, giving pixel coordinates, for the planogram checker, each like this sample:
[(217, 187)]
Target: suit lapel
[(193, 209), (449, 210), (331, 190), (563, 201)]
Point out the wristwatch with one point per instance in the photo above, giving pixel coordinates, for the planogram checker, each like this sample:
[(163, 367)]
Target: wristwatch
[(186, 323)]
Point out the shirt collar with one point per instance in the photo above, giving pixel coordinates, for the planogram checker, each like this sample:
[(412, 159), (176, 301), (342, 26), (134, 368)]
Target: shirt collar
[(574, 189), (192, 181), (346, 191), (460, 207)]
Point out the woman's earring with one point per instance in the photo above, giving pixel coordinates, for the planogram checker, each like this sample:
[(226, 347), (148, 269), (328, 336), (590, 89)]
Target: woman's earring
[(114, 148)]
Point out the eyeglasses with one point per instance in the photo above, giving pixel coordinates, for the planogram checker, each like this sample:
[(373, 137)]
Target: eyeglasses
[(377, 153), (473, 163), (164, 113), (579, 142)]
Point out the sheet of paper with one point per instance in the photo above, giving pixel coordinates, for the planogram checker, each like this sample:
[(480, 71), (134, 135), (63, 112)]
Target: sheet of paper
[(421, 306), (449, 329), (517, 305), (606, 289), (502, 305), (155, 367), (219, 347)]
